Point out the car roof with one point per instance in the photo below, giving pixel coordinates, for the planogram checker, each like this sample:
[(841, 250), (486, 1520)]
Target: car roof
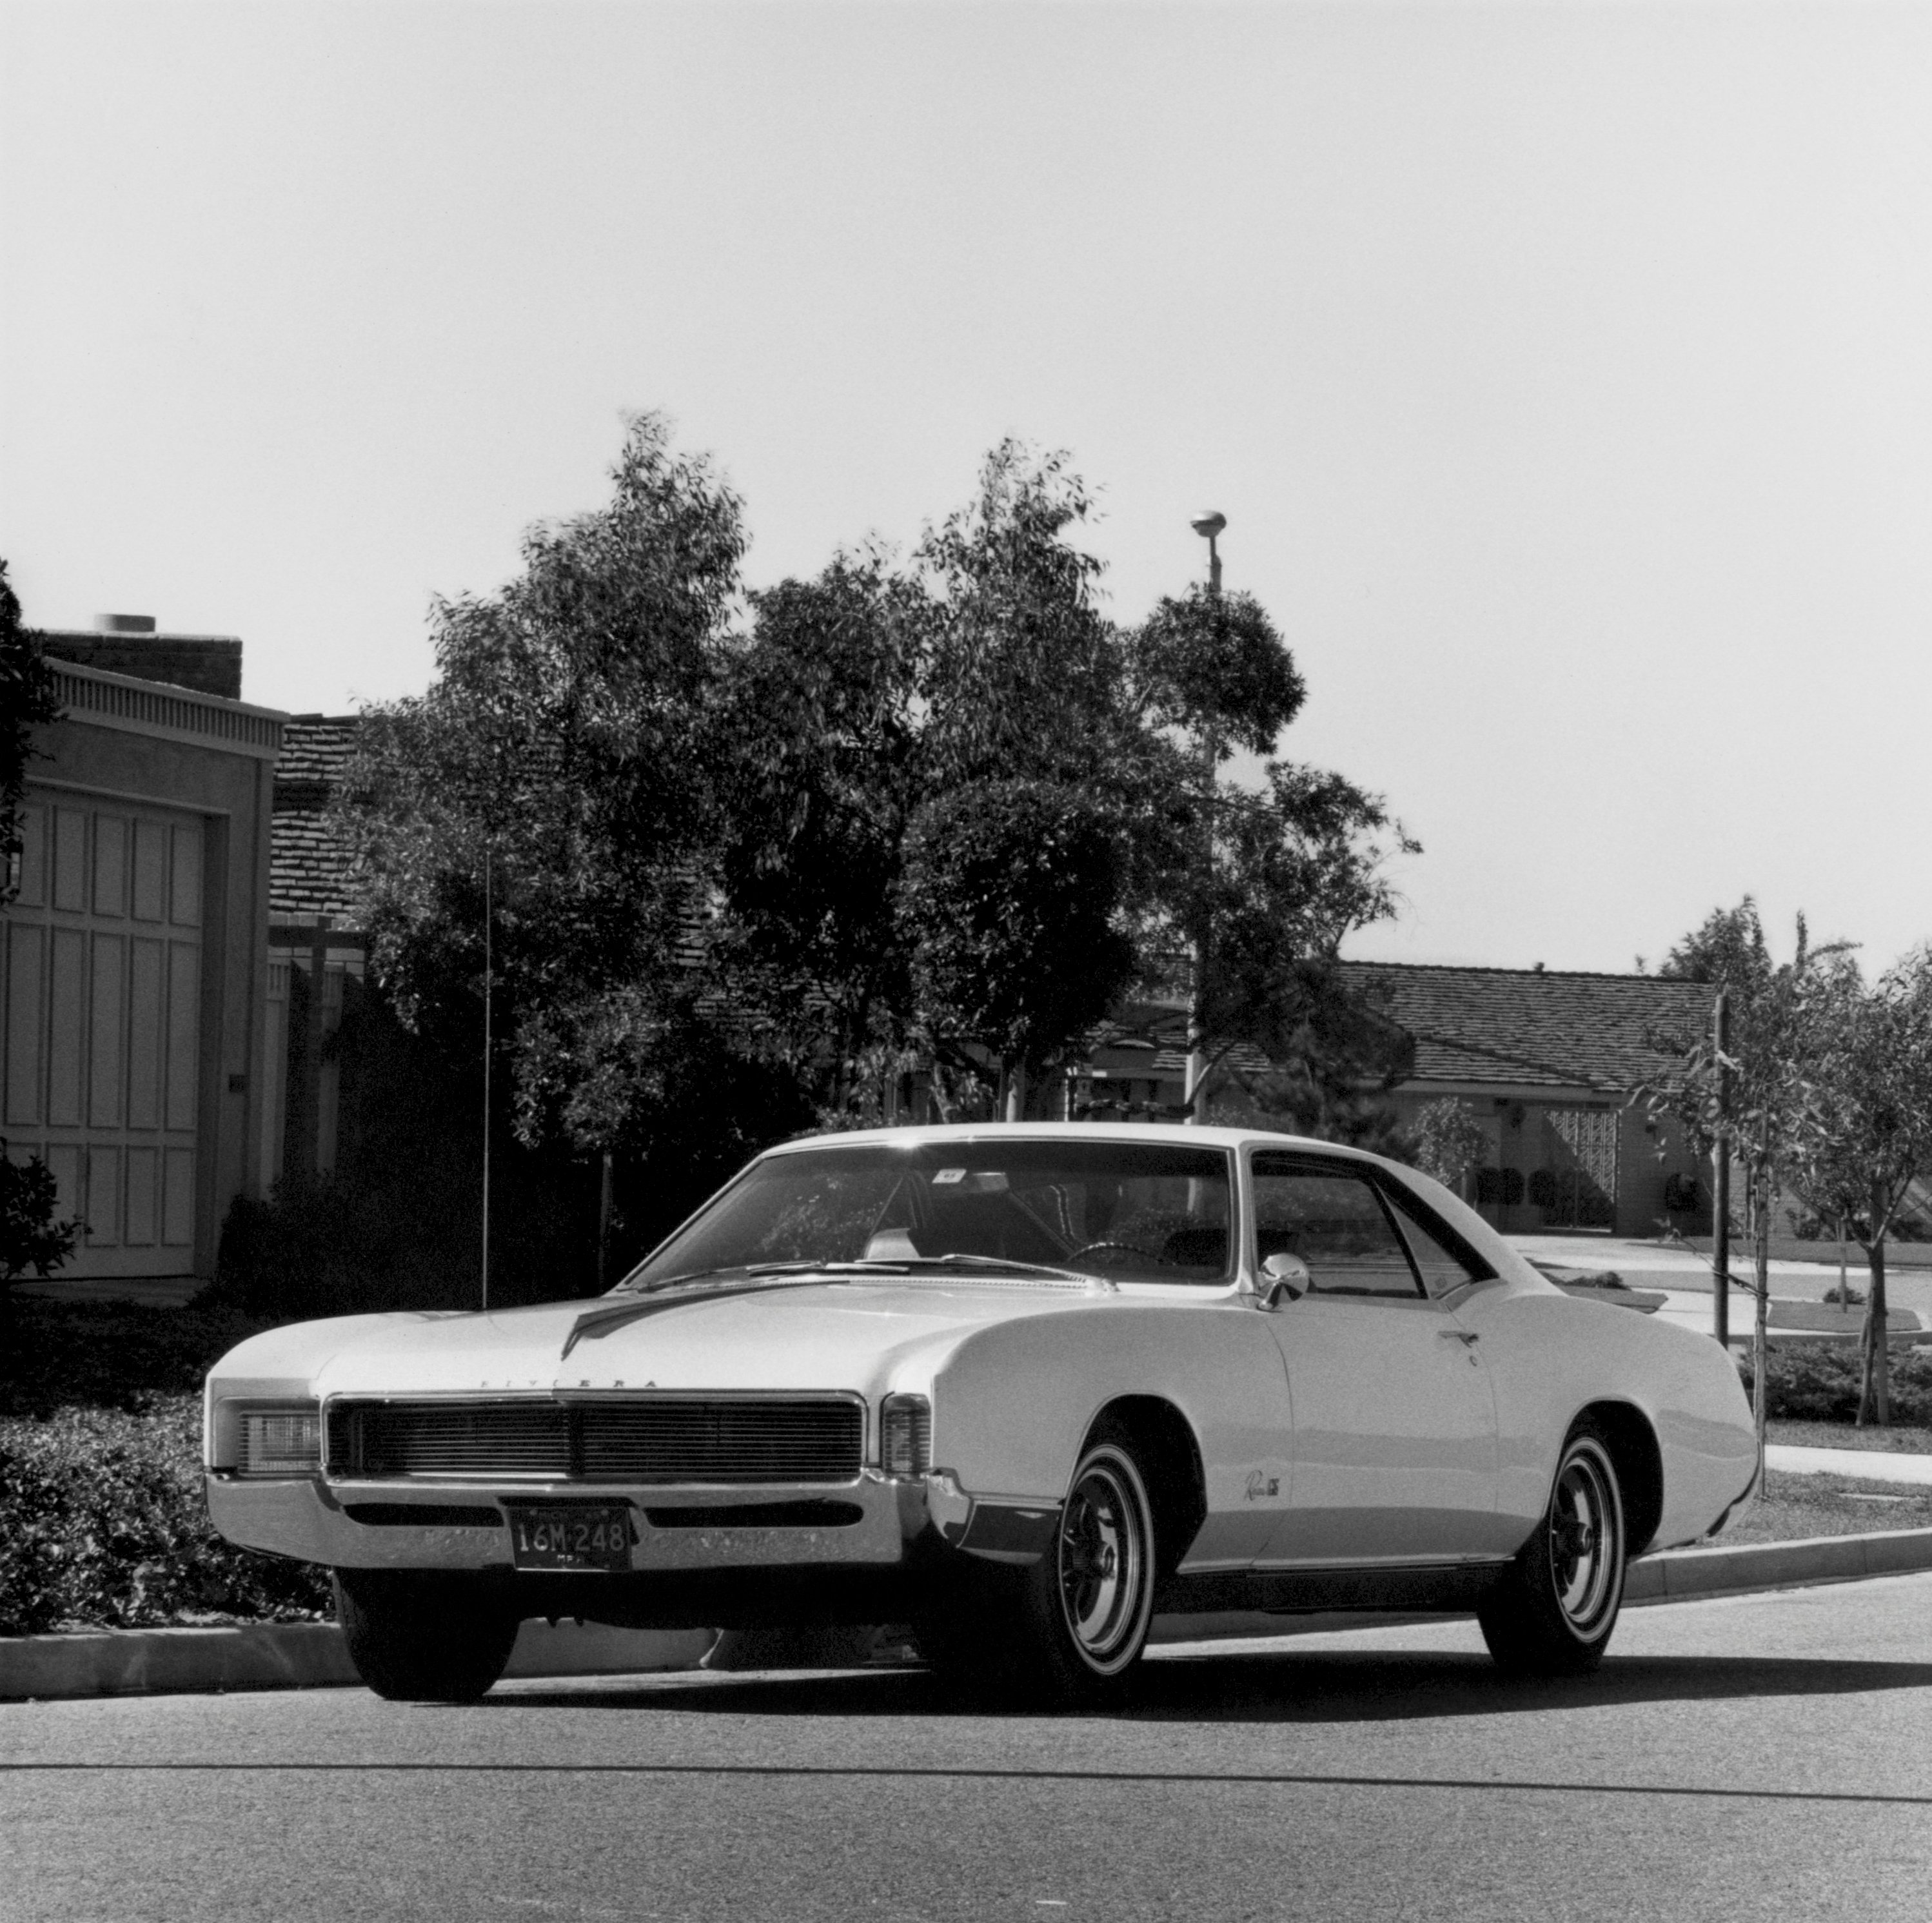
[(1179, 1133)]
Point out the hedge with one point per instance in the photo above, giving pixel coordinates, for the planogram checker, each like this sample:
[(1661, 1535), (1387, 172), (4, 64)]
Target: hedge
[(102, 1524), (1818, 1382)]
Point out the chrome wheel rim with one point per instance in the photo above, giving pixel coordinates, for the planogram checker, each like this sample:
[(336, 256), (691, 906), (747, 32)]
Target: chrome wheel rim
[(1103, 1563), (1585, 1528)]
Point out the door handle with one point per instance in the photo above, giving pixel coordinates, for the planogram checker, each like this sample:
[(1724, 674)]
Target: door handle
[(1467, 1337)]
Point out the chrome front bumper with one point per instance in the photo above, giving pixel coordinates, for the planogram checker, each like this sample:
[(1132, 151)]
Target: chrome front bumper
[(464, 1526)]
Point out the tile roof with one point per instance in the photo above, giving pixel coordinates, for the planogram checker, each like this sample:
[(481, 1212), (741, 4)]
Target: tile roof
[(1535, 1026), (307, 861)]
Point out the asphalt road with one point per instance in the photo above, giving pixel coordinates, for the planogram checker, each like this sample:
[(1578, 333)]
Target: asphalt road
[(1768, 1756)]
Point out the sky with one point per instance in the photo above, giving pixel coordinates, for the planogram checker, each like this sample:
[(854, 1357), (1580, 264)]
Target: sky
[(1564, 372)]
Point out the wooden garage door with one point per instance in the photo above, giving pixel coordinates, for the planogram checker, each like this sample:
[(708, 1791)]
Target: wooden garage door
[(102, 961)]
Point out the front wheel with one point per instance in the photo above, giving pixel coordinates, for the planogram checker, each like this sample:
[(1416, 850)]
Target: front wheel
[(422, 1638), (1069, 1629), (1553, 1613)]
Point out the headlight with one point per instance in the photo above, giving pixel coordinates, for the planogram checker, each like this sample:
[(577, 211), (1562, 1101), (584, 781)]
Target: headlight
[(905, 1435), (280, 1441)]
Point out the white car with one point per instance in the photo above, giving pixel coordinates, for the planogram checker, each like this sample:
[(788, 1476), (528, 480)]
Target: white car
[(1038, 1391)]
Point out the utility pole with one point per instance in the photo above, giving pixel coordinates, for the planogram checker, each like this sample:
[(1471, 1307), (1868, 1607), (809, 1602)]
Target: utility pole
[(487, 964), (1209, 526), (1720, 1176), (604, 1227)]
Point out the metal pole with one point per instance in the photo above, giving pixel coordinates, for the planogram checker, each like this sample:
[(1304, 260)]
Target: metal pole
[(1197, 1038), (487, 965), (604, 1227), (1720, 1178)]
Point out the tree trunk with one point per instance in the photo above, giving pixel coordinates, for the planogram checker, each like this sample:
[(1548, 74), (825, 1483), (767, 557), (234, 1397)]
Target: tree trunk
[(1875, 1380)]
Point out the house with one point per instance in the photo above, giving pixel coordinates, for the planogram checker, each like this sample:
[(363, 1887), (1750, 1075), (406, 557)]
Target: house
[(1547, 1062), (134, 1053)]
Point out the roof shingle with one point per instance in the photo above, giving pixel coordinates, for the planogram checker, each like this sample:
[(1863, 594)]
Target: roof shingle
[(1537, 1026), (308, 860)]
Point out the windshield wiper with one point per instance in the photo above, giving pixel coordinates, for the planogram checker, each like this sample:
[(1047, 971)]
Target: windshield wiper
[(727, 1270), (1001, 1264), (856, 1265)]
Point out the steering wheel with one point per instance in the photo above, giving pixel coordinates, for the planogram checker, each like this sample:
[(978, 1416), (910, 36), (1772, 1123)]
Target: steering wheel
[(1125, 1248)]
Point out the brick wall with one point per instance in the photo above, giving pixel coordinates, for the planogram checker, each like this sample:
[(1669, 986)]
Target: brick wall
[(209, 664)]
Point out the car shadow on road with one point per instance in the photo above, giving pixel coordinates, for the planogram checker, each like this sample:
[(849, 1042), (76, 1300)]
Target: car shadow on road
[(1289, 1688)]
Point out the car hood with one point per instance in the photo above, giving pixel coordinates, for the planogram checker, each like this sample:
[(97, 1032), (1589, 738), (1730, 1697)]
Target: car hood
[(787, 1334)]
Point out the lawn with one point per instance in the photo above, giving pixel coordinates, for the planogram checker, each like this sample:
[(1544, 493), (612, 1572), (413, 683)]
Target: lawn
[(1795, 1506)]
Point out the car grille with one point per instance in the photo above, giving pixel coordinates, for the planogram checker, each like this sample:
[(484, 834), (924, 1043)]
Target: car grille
[(647, 1439)]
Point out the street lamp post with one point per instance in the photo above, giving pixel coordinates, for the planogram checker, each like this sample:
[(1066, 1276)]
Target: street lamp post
[(1208, 525)]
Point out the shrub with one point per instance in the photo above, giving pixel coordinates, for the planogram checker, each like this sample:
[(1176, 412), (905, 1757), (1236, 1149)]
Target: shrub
[(30, 1237), (102, 1524), (1680, 1194), (112, 1355), (1818, 1382)]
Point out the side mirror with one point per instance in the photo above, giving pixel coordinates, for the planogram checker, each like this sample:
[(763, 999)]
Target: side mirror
[(1285, 1278)]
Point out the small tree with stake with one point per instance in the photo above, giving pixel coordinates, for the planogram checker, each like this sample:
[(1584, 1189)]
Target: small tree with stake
[(1870, 1055), (1764, 1093)]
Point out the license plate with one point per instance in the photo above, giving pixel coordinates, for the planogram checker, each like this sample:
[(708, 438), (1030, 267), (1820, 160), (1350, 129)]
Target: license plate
[(573, 1538)]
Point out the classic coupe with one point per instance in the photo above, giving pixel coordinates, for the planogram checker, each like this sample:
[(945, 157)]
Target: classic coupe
[(1039, 1391)]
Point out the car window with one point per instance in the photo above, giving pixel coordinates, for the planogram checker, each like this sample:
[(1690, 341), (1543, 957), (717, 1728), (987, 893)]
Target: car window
[(1443, 1267), (1333, 1220), (1141, 1211)]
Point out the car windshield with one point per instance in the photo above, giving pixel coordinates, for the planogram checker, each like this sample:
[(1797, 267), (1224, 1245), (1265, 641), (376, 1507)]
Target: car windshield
[(1142, 1211)]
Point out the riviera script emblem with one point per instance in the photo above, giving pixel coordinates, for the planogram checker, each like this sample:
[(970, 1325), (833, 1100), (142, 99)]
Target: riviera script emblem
[(1260, 1486)]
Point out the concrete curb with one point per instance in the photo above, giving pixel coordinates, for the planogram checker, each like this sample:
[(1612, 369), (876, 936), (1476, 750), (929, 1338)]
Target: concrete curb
[(1677, 1575), (310, 1655), (298, 1655)]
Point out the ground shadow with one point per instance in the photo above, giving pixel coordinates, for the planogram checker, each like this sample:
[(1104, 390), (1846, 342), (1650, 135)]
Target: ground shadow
[(1290, 1688)]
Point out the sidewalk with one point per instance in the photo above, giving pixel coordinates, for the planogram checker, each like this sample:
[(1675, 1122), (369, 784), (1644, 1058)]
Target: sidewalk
[(1676, 1267), (1865, 1465)]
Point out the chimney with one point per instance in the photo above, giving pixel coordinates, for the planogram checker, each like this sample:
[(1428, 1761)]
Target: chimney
[(129, 644)]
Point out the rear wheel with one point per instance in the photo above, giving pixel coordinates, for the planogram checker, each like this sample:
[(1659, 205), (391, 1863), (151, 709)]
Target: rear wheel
[(422, 1638), (1553, 1614)]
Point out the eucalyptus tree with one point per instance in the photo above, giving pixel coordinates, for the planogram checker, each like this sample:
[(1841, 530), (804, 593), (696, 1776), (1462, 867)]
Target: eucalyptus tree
[(1261, 881), (966, 810), (1009, 904), (536, 826), (936, 788)]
